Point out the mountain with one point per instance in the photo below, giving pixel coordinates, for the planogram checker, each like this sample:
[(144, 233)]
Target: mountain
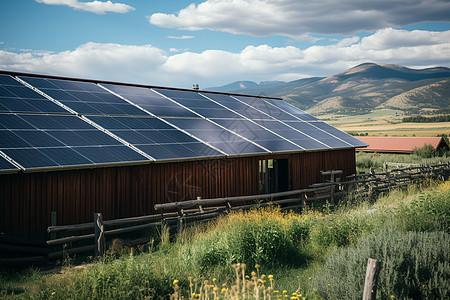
[(360, 89)]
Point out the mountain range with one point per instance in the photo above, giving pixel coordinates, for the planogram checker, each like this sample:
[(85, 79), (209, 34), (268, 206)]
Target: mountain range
[(360, 89)]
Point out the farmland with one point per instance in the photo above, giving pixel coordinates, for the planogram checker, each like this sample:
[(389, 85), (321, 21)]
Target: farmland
[(385, 122)]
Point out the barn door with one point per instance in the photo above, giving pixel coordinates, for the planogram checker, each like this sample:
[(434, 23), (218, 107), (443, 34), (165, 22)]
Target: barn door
[(273, 175)]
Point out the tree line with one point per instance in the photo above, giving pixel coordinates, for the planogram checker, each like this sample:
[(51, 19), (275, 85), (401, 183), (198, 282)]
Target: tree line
[(422, 119)]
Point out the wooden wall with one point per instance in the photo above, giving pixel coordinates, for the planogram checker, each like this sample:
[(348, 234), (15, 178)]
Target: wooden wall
[(27, 199)]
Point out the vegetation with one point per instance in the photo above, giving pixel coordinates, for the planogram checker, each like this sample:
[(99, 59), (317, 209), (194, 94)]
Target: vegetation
[(367, 161), (422, 119), (318, 253)]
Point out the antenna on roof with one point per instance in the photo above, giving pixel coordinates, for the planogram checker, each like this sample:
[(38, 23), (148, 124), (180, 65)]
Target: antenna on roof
[(195, 86)]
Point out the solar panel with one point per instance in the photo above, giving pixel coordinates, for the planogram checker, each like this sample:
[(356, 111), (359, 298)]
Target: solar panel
[(266, 108), (6, 166), (150, 101), (290, 109), (199, 104), (299, 138), (215, 135), (320, 135), (256, 133), (339, 134), (84, 97), (155, 137), (237, 106), (43, 141), (16, 97)]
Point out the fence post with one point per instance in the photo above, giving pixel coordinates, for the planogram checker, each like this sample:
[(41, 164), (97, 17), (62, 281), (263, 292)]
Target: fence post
[(53, 223), (99, 235), (370, 285), (332, 188)]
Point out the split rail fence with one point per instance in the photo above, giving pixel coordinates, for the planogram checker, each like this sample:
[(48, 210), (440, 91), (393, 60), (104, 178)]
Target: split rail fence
[(95, 236)]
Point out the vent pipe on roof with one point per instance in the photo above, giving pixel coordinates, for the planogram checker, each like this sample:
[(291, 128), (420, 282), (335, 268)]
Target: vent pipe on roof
[(195, 86)]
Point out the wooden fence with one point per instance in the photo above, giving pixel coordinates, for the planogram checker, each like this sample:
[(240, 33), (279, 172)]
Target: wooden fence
[(95, 236)]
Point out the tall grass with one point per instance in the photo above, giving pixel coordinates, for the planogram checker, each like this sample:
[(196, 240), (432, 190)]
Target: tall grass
[(414, 265), (285, 245)]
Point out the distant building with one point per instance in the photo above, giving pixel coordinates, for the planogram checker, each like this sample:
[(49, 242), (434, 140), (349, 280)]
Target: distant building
[(403, 145)]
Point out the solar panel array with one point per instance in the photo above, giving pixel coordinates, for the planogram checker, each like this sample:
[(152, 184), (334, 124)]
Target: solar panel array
[(48, 123)]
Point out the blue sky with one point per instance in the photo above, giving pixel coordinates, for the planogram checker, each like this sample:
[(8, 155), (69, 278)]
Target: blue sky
[(214, 42)]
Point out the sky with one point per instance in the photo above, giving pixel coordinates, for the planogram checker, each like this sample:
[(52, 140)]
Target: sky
[(177, 43)]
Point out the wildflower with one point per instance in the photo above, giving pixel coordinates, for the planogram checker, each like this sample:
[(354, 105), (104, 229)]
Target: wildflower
[(223, 290), (392, 297), (257, 266), (246, 276), (284, 291), (214, 279), (270, 277), (329, 284), (175, 282), (276, 291), (309, 278), (263, 276)]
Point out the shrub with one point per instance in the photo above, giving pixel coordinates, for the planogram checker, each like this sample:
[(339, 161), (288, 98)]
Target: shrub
[(415, 265), (428, 212), (427, 151)]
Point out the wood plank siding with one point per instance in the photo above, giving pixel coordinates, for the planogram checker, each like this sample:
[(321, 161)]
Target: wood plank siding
[(27, 199)]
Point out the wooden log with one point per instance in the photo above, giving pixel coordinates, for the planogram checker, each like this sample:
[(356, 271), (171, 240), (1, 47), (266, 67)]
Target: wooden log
[(370, 285), (131, 229), (70, 239)]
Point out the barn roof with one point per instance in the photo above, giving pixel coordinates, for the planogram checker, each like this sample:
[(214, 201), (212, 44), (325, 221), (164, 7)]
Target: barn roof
[(400, 144), (49, 122)]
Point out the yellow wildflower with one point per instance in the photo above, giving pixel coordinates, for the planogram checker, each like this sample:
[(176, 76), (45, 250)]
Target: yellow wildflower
[(175, 282)]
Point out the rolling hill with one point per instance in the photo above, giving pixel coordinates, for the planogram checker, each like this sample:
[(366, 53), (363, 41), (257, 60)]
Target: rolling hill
[(360, 89)]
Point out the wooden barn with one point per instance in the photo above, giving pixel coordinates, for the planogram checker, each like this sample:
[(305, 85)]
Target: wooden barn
[(78, 147)]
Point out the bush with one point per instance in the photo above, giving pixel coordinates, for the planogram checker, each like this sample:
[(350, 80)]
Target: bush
[(428, 212), (427, 151), (415, 265), (266, 237)]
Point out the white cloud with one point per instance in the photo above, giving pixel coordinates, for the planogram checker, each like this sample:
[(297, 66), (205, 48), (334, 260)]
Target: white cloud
[(98, 7), (298, 18), (183, 37), (150, 65)]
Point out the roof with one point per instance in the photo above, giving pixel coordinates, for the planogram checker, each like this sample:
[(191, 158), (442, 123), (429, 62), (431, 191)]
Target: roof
[(400, 144), (50, 122)]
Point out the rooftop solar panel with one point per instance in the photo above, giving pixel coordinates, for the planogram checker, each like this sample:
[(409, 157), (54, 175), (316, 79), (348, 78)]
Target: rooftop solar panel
[(303, 140), (84, 97), (286, 107), (266, 108), (155, 137), (44, 141), (237, 106), (6, 166), (320, 135), (16, 97), (150, 101), (39, 133), (217, 136), (199, 104), (339, 134), (258, 134)]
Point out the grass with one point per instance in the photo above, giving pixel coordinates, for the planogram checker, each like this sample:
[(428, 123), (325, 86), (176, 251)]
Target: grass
[(365, 161), (296, 249)]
